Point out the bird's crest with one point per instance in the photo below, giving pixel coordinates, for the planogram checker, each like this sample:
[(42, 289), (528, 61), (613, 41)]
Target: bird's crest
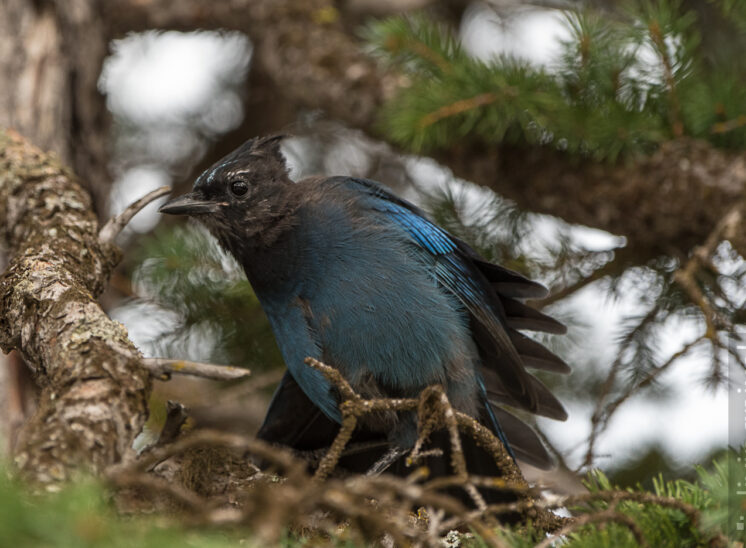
[(261, 146)]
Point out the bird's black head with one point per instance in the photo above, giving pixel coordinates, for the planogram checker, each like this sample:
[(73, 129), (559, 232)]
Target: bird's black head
[(241, 194)]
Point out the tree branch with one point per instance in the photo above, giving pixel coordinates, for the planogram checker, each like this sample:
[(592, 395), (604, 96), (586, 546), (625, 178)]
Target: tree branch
[(165, 367), (94, 387), (116, 224)]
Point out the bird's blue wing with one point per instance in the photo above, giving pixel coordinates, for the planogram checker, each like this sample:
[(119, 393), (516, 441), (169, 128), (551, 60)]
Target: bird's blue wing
[(297, 341), (455, 270)]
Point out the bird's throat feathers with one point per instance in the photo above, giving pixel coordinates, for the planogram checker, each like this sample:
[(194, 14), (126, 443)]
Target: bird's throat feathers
[(251, 232)]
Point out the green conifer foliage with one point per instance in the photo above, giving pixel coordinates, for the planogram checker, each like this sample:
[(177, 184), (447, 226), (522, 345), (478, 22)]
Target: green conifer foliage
[(620, 85)]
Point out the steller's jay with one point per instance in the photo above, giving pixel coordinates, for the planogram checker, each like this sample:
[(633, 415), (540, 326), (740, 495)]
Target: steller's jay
[(358, 278)]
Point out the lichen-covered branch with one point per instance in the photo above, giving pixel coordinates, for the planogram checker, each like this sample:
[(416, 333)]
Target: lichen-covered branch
[(94, 387)]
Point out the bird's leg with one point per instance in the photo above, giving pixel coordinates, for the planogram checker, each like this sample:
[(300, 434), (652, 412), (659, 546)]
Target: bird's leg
[(386, 460)]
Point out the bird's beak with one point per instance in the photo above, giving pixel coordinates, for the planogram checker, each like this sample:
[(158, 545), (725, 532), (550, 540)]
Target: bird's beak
[(189, 204)]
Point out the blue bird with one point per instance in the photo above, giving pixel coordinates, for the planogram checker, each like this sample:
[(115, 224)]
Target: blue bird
[(352, 275)]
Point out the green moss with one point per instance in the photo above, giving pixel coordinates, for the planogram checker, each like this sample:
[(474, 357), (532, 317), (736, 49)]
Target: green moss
[(81, 516)]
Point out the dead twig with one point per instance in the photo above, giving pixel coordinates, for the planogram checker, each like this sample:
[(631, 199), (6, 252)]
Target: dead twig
[(246, 388), (116, 224), (331, 459), (163, 368), (597, 418), (458, 461), (649, 379), (355, 406), (686, 277)]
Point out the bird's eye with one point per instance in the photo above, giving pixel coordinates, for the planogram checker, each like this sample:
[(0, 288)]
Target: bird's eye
[(239, 188)]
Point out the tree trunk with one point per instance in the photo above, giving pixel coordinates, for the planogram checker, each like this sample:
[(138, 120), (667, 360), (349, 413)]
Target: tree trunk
[(50, 60)]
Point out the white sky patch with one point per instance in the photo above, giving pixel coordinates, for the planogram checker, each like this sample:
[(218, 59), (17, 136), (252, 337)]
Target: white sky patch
[(532, 34), (157, 77), (688, 422), (146, 321), (688, 426)]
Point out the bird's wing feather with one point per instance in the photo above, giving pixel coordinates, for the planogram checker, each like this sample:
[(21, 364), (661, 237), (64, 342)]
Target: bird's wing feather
[(294, 420), (297, 341), (460, 271)]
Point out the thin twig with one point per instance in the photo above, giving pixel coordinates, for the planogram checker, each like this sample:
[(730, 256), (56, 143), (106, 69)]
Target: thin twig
[(727, 228), (729, 125), (658, 39), (331, 459), (608, 385), (557, 294), (610, 409), (458, 460), (336, 378), (247, 388), (458, 107), (488, 441), (386, 460), (163, 368), (116, 224)]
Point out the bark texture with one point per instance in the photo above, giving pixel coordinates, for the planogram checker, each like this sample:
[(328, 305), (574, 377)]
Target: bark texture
[(50, 60), (94, 386)]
